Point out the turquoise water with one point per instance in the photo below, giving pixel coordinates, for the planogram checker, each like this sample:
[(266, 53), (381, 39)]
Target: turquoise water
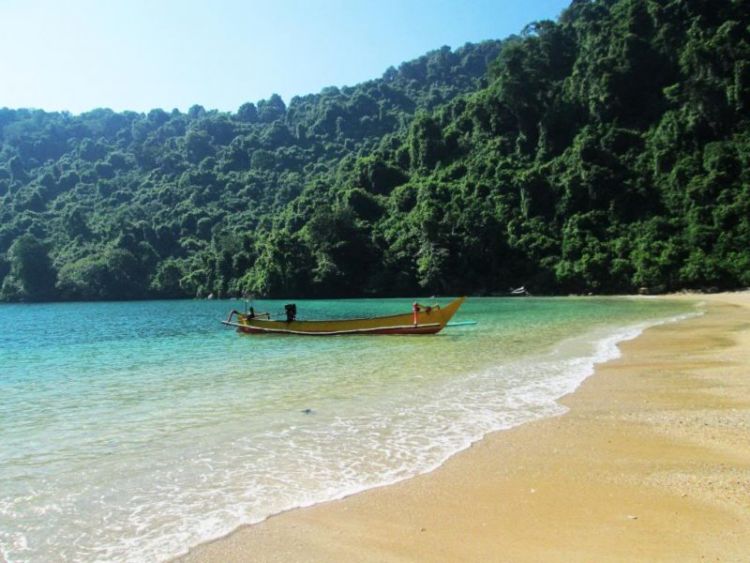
[(133, 431)]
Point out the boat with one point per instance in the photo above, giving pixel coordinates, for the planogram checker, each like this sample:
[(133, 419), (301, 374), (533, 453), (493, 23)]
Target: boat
[(519, 291), (421, 320)]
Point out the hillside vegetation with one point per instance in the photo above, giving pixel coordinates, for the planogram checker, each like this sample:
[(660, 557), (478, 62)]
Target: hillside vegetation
[(604, 152)]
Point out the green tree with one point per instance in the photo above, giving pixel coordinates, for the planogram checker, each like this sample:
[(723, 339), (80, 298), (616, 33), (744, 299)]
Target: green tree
[(32, 276)]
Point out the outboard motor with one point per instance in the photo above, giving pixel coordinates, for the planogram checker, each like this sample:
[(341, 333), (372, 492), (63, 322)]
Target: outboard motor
[(291, 312)]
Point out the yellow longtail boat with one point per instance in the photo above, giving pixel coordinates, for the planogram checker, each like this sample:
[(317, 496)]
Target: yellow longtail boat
[(422, 320)]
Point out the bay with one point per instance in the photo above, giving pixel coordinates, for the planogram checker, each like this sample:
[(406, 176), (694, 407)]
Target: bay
[(133, 431)]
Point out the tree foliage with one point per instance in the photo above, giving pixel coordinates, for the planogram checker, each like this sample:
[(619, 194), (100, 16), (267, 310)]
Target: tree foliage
[(603, 152)]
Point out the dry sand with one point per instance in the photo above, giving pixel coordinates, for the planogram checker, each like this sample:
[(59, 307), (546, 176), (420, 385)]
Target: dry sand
[(652, 462)]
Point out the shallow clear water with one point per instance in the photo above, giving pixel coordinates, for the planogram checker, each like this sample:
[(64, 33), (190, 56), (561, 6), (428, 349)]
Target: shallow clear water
[(133, 431)]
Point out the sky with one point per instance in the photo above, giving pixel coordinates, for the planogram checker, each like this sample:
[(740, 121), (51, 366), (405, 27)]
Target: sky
[(77, 55)]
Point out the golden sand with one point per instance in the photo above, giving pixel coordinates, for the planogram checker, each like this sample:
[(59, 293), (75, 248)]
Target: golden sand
[(652, 462)]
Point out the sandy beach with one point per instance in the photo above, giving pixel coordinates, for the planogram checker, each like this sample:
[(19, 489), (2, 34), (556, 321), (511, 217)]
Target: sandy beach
[(651, 462)]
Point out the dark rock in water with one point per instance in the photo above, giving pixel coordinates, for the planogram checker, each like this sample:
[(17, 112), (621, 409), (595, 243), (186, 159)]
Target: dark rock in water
[(308, 411)]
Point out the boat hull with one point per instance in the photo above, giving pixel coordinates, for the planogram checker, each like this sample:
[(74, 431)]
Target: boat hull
[(426, 321)]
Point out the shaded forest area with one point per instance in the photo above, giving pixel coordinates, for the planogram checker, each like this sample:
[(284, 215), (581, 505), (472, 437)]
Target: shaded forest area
[(604, 152)]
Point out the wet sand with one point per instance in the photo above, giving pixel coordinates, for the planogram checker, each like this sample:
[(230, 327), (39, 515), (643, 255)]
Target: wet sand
[(652, 462)]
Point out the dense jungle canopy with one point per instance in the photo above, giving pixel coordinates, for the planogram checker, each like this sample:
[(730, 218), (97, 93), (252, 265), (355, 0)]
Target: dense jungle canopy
[(605, 152)]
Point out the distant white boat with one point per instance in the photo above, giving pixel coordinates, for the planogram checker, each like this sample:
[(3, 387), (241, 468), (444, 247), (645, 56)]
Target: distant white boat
[(519, 291)]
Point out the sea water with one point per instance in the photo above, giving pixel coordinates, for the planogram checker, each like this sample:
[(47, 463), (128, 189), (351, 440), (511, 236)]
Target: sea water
[(133, 431)]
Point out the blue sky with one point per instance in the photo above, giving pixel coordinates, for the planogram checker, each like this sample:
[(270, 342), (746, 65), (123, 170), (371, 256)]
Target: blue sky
[(138, 55)]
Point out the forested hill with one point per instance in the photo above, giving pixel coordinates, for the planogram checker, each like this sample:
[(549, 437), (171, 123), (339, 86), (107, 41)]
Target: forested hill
[(604, 152), (109, 205)]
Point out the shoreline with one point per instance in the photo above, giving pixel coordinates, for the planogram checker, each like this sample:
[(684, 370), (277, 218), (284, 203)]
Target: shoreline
[(484, 503)]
